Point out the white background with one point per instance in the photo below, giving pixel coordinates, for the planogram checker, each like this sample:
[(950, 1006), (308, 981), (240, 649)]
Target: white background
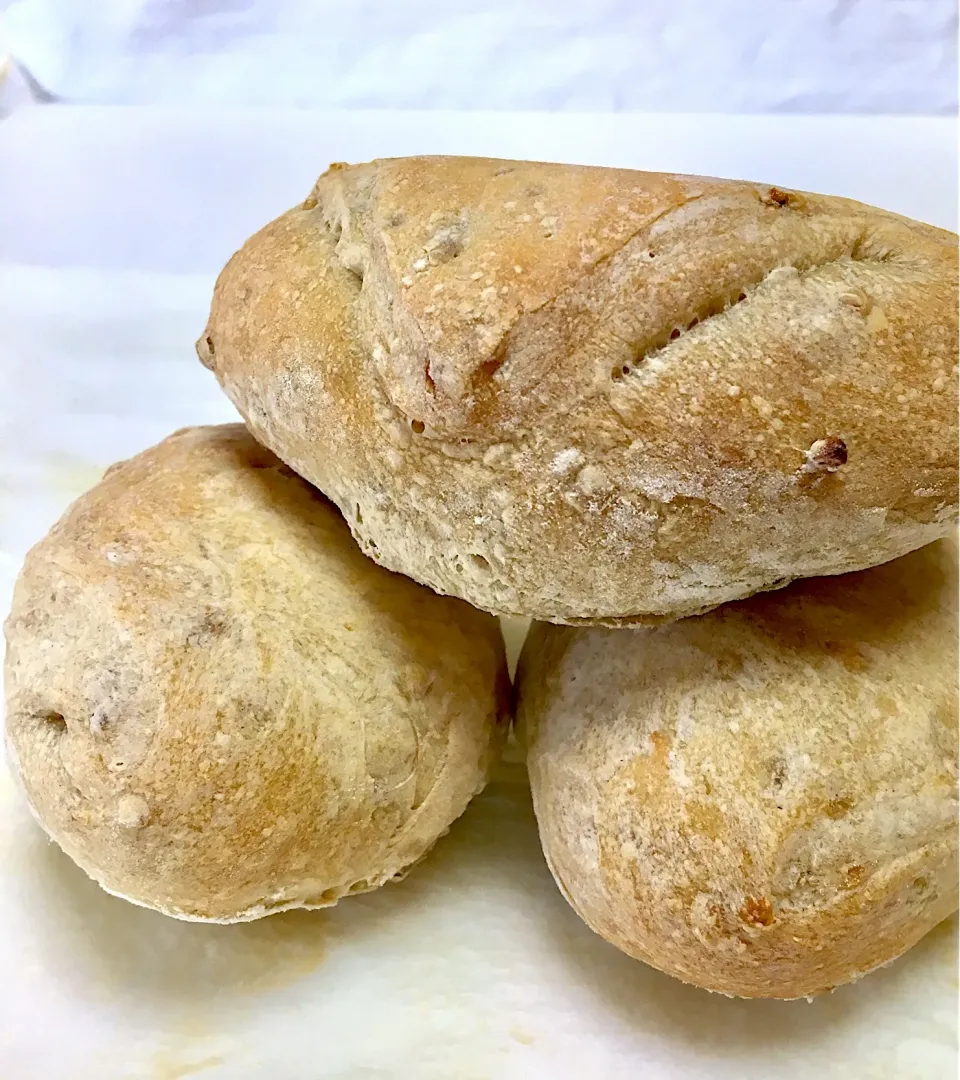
[(742, 56)]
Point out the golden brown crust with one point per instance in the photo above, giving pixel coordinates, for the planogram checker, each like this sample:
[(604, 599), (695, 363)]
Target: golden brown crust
[(761, 801), (596, 395), (220, 708)]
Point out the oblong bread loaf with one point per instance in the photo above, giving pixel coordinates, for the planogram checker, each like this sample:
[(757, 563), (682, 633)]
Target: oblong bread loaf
[(597, 395)]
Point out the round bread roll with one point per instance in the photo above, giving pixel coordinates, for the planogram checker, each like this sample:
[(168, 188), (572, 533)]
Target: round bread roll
[(595, 395), (220, 708), (761, 801)]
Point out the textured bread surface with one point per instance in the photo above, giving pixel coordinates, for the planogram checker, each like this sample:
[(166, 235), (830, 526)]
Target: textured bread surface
[(761, 801), (594, 395), (220, 708)]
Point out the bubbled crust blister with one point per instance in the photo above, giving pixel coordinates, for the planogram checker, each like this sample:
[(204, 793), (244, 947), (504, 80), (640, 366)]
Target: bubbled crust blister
[(592, 395), (220, 708), (761, 801)]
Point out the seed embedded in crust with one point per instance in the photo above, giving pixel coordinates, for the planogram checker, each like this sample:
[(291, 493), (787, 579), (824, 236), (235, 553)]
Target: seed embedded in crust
[(757, 911), (132, 811), (776, 197), (824, 456)]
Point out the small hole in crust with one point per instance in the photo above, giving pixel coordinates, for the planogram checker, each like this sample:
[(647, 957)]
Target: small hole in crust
[(479, 562), (741, 297), (209, 341), (56, 721), (358, 515), (674, 333), (693, 322), (417, 427), (651, 254)]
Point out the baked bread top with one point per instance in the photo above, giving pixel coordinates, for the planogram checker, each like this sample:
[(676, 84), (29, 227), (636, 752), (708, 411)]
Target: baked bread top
[(599, 395), (762, 801), (220, 708)]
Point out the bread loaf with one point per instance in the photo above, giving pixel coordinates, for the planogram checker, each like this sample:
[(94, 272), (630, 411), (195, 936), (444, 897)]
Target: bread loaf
[(594, 395), (761, 801), (220, 708)]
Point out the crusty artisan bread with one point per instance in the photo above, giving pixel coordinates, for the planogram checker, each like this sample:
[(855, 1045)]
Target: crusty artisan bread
[(761, 801), (597, 395), (220, 708)]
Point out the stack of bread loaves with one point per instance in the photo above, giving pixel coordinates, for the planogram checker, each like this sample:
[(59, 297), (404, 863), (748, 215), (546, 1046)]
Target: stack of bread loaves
[(597, 398)]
